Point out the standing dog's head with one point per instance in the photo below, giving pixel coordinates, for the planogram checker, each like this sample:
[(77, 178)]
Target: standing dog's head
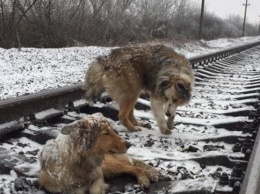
[(94, 134), (175, 90), (175, 79)]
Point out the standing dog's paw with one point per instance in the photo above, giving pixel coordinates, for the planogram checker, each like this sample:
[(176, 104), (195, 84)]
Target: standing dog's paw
[(166, 131), (145, 124), (135, 129)]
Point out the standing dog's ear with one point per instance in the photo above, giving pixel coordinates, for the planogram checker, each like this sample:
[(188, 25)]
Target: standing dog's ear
[(163, 85)]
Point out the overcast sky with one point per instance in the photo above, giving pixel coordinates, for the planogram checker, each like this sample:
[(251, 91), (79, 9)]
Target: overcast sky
[(224, 8)]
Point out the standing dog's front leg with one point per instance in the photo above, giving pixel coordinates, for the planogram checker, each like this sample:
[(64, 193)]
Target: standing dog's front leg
[(158, 111), (170, 110)]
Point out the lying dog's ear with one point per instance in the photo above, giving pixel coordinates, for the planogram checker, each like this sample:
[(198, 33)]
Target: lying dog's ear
[(67, 129)]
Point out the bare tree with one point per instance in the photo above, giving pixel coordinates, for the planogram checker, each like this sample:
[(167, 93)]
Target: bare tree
[(52, 23)]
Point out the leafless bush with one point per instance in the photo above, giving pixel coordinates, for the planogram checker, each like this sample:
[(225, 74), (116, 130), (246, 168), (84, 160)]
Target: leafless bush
[(237, 23), (52, 23)]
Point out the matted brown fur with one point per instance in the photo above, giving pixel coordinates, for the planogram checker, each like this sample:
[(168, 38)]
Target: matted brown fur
[(71, 163), (114, 165), (125, 72)]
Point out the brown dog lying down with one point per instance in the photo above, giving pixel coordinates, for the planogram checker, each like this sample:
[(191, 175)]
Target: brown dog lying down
[(71, 163)]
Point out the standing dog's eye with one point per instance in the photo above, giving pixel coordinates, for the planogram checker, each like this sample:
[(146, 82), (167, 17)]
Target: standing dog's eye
[(174, 100), (181, 85), (165, 84)]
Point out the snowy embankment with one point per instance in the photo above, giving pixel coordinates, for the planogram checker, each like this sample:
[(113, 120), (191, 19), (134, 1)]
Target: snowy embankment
[(31, 70)]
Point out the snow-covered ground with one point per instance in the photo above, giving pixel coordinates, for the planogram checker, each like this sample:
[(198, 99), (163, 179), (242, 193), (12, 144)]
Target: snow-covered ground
[(31, 70)]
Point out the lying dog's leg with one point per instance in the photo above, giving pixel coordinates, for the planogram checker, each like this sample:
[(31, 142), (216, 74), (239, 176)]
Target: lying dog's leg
[(98, 187), (158, 111), (114, 165), (140, 175), (151, 172), (81, 190), (125, 108)]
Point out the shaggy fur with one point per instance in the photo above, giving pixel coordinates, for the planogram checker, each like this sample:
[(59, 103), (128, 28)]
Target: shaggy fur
[(71, 163), (125, 72), (115, 164)]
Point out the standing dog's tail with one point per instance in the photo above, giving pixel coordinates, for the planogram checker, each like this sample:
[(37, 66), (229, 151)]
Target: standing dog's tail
[(93, 85)]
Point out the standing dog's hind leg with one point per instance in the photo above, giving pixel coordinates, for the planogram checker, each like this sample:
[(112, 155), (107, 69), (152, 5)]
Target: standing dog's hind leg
[(132, 118), (124, 112), (136, 122)]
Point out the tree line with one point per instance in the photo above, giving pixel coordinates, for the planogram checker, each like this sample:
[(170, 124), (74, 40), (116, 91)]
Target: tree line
[(62, 23)]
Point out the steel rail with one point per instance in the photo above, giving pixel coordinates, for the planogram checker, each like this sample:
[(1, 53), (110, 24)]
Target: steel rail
[(251, 182), (14, 109), (211, 57)]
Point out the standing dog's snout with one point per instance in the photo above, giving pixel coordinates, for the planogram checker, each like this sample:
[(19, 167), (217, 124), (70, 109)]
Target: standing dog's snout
[(127, 144), (168, 114)]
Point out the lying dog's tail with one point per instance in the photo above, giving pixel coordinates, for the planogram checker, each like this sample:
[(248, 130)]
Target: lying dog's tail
[(93, 85)]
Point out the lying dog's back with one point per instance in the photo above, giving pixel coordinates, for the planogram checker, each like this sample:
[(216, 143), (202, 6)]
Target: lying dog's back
[(56, 175)]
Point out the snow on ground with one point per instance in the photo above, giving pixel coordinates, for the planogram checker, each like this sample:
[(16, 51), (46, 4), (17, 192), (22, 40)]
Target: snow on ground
[(31, 70)]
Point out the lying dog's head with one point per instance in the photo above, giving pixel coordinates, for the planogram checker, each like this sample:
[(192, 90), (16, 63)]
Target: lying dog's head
[(94, 134), (175, 90)]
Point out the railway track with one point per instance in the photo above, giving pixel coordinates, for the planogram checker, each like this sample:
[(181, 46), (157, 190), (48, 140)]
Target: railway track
[(213, 148)]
